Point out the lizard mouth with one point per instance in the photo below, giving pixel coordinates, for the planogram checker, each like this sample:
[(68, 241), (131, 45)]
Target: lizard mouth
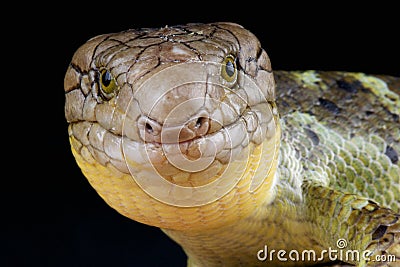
[(206, 165), (198, 152), (199, 144)]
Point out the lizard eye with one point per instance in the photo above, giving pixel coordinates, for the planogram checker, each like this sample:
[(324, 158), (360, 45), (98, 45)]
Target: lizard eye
[(108, 84), (229, 71)]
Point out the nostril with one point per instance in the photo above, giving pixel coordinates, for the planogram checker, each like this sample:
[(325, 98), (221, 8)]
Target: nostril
[(200, 126), (149, 128), (199, 122)]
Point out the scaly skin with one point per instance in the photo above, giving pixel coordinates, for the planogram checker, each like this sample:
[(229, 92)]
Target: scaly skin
[(309, 158)]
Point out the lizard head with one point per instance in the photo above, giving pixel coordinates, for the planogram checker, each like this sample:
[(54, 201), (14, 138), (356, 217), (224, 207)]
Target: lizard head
[(172, 122)]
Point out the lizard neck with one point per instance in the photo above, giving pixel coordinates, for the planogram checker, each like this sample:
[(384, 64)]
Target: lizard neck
[(250, 240)]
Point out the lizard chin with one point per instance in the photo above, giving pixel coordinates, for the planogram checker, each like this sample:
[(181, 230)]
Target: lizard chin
[(195, 155), (201, 170), (201, 160)]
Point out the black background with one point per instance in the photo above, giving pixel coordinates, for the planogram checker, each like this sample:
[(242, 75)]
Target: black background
[(51, 215)]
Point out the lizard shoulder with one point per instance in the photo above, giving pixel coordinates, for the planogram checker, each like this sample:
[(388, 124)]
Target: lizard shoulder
[(344, 129)]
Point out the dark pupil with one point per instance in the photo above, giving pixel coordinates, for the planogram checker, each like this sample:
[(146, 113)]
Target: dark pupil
[(230, 68), (106, 78)]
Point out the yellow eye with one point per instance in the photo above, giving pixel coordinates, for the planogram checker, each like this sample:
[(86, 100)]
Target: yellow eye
[(228, 70), (107, 83)]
